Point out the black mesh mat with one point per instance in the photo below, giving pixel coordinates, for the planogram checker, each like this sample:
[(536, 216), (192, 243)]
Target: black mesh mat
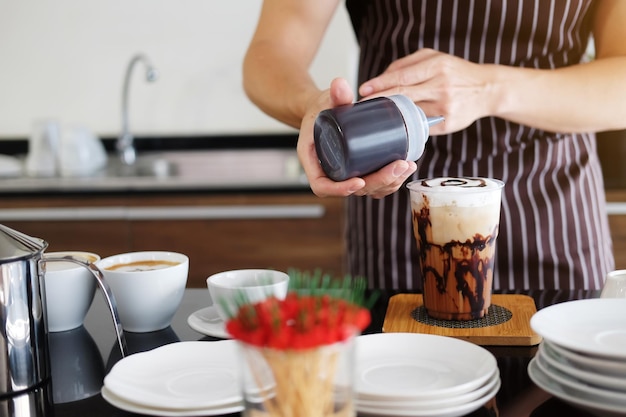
[(495, 315)]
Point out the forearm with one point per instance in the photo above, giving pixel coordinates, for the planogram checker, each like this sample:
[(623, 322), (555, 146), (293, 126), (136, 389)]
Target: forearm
[(277, 84), (276, 66), (580, 98)]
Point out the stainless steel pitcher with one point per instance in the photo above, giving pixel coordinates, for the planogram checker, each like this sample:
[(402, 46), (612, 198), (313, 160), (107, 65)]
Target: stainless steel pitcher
[(24, 354)]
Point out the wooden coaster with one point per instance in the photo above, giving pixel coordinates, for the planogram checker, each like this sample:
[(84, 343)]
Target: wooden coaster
[(511, 327)]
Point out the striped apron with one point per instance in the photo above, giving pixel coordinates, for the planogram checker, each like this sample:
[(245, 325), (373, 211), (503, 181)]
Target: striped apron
[(554, 230)]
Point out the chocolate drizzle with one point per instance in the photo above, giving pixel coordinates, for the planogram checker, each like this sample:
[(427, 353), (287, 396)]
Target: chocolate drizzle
[(457, 182), (468, 263)]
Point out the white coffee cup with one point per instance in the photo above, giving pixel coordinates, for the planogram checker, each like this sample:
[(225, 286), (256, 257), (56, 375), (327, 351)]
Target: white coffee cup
[(615, 285), (228, 288), (69, 289), (148, 287)]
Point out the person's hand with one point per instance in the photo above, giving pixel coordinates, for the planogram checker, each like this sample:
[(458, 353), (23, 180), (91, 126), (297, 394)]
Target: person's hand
[(383, 182), (441, 84)]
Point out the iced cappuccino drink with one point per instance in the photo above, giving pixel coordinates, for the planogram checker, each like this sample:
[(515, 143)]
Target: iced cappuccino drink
[(455, 221)]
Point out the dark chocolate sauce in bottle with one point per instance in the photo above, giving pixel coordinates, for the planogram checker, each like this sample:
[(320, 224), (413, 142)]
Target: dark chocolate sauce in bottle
[(356, 139)]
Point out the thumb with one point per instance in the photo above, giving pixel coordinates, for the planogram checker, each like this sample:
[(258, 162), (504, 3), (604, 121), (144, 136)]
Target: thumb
[(340, 92)]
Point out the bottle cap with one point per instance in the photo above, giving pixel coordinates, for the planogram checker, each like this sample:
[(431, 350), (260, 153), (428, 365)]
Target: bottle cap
[(417, 125)]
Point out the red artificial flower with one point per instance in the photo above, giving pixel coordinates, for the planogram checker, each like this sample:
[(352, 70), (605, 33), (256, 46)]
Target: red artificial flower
[(298, 321)]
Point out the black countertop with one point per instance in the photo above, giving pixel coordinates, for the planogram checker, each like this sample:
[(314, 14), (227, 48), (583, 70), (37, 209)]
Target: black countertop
[(94, 345)]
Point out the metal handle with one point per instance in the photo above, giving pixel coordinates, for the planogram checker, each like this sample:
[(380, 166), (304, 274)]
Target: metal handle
[(106, 291)]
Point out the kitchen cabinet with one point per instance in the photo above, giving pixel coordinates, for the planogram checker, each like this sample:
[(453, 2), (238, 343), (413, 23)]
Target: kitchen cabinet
[(218, 231)]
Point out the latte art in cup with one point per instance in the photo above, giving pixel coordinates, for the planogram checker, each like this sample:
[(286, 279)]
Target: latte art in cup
[(148, 287), (455, 222), (138, 266)]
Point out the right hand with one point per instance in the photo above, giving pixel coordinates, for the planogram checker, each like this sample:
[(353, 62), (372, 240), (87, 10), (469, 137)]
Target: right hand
[(383, 182)]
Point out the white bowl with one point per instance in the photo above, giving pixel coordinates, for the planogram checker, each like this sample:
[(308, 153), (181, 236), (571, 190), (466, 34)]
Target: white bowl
[(253, 285), (70, 289), (148, 287)]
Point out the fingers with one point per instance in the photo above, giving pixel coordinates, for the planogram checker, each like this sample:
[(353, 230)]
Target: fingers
[(379, 184), (406, 72), (387, 180), (441, 85), (412, 59), (325, 187)]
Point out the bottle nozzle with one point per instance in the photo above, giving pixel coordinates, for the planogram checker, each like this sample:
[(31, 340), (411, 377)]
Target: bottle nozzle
[(434, 120)]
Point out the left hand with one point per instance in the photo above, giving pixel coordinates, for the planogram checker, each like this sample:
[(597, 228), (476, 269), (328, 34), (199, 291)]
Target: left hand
[(441, 84)]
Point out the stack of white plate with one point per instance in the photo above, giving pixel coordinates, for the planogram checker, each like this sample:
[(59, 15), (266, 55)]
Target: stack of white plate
[(408, 374), (179, 379), (582, 358)]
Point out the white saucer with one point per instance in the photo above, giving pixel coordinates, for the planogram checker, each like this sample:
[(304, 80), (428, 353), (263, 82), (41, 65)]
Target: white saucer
[(576, 397), (590, 363), (432, 404), (445, 411), (569, 383), (594, 326), (413, 366), (181, 376), (122, 404), (598, 378), (207, 322)]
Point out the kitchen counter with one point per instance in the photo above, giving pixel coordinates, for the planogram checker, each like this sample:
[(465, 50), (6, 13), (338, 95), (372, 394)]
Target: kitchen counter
[(75, 390), (187, 170), (238, 162)]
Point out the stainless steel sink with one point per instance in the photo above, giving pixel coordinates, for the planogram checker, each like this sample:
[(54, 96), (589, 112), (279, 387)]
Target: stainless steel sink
[(189, 170), (254, 166), (156, 166)]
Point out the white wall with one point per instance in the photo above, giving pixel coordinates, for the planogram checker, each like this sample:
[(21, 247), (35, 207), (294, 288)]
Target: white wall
[(65, 59)]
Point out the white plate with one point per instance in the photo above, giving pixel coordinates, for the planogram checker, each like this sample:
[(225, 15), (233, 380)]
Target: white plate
[(569, 383), (179, 376), (578, 398), (136, 408), (591, 363), (206, 321), (595, 326), (413, 366), (452, 411), (592, 377), (434, 404)]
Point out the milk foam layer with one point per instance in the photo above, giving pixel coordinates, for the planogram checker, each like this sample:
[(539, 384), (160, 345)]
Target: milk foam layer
[(65, 265), (458, 208), (459, 191)]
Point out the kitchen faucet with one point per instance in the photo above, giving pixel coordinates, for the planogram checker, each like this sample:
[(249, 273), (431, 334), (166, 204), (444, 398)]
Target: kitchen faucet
[(124, 145)]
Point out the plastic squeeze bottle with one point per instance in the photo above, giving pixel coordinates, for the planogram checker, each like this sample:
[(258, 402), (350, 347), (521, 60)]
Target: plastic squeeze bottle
[(359, 138)]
